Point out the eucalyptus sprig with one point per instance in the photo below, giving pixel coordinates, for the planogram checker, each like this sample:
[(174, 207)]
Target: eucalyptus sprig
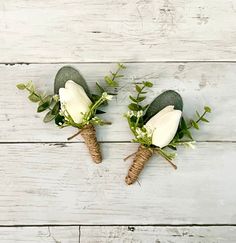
[(184, 130), (111, 79), (45, 102)]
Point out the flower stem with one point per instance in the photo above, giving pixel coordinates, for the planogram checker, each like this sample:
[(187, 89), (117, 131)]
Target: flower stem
[(73, 136), (166, 158)]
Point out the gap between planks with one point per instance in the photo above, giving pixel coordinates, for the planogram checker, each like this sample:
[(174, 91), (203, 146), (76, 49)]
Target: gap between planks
[(114, 225), (114, 62)]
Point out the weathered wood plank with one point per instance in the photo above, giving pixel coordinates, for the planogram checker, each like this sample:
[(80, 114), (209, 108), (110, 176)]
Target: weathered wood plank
[(108, 234), (122, 30), (58, 184), (199, 84), (39, 235), (119, 234)]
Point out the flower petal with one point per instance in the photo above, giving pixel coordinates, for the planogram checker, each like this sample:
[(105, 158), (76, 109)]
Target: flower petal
[(152, 121), (74, 99), (164, 126)]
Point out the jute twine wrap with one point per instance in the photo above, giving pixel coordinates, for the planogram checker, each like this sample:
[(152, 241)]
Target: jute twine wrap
[(141, 157), (88, 132)]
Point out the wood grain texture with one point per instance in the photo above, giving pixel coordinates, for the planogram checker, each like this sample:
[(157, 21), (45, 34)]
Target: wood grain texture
[(199, 84), (122, 30), (59, 184), (137, 234), (39, 235), (118, 234)]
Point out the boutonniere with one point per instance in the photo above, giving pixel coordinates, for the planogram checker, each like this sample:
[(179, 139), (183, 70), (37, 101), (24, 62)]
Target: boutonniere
[(72, 104), (158, 127)]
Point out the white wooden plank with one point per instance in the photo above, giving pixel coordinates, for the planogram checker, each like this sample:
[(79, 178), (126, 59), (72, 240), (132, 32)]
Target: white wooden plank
[(59, 184), (122, 30), (199, 84), (39, 235), (108, 234), (125, 234)]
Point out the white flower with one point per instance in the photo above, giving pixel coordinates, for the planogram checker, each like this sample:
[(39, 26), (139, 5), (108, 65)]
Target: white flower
[(164, 126), (74, 101), (106, 96), (139, 114), (148, 131), (140, 133), (129, 114)]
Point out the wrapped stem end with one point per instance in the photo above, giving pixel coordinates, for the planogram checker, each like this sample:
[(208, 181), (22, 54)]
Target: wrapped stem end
[(89, 135), (141, 158)]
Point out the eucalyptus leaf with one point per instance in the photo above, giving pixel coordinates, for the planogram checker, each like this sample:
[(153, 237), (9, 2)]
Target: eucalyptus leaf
[(207, 109), (44, 104), (69, 73), (195, 125), (21, 86), (34, 98), (204, 119), (49, 117), (169, 97), (56, 108)]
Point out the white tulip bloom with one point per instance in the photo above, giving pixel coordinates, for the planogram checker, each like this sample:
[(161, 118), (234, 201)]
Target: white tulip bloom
[(74, 101), (164, 126)]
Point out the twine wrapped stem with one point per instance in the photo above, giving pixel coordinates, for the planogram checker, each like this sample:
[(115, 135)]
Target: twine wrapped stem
[(141, 158)]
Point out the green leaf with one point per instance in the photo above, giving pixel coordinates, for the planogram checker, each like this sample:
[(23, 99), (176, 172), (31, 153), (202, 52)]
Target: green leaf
[(148, 84), (100, 112), (111, 82), (21, 86), (133, 99), (188, 134), (172, 147), (198, 115), (134, 107), (204, 119), (43, 107), (138, 88), (207, 109), (141, 98), (121, 66), (30, 86), (100, 88), (183, 124), (195, 125), (34, 98), (56, 108), (95, 97), (44, 104), (49, 117)]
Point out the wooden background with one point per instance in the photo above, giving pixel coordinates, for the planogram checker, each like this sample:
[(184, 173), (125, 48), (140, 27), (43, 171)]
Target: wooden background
[(50, 191)]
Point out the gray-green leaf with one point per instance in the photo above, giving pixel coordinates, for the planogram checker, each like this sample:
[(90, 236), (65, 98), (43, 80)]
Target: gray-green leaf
[(195, 125), (34, 98), (169, 97), (21, 86), (49, 117), (207, 109), (69, 73)]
